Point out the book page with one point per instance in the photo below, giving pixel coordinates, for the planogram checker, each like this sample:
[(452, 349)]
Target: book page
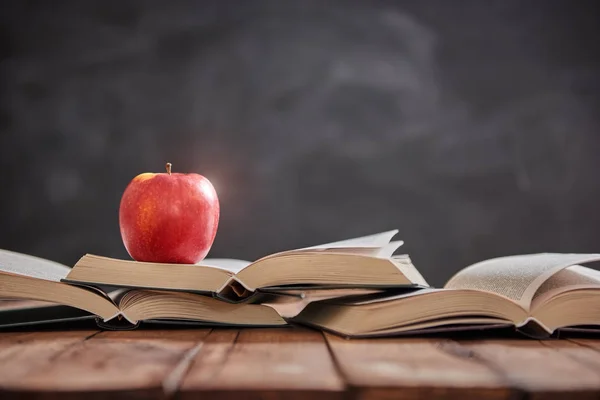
[(377, 245), (389, 249), (516, 277), (19, 304), (405, 265), (380, 252), (375, 240), (35, 267), (228, 264), (289, 306), (376, 298), (569, 278)]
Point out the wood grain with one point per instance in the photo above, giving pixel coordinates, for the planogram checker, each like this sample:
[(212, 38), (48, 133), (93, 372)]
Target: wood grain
[(544, 370), (115, 363), (585, 355), (411, 369), (22, 353), (288, 364), (263, 363), (589, 343)]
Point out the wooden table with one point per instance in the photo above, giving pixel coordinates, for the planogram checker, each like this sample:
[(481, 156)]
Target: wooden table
[(290, 363)]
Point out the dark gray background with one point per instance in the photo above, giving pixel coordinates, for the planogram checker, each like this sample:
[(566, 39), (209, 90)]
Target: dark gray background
[(472, 126)]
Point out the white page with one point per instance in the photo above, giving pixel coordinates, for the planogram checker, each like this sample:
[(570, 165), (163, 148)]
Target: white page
[(516, 277), (228, 264), (567, 279), (23, 264), (377, 245), (591, 275), (375, 240), (380, 252), (389, 249)]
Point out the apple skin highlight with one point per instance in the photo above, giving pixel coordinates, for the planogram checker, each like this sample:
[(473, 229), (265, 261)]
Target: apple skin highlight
[(169, 217)]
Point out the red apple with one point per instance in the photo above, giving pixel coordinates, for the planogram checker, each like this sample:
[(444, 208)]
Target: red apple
[(169, 217)]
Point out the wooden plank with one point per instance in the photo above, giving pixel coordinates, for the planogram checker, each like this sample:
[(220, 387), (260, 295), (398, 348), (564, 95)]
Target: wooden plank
[(9, 339), (584, 354), (288, 363), (542, 370), (21, 352), (263, 363), (24, 352), (118, 364), (411, 369), (590, 343)]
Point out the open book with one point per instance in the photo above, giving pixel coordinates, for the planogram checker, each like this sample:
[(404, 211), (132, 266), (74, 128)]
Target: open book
[(175, 291), (537, 293), (365, 261)]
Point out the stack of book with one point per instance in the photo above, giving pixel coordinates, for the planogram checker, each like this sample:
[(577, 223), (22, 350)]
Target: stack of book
[(355, 288)]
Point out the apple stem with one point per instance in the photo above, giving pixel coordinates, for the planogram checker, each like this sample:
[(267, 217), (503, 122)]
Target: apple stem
[(168, 167)]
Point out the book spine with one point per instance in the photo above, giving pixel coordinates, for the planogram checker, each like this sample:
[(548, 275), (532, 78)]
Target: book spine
[(534, 329), (116, 324)]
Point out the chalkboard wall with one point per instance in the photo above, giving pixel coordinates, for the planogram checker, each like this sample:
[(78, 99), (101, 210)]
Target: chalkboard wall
[(472, 126)]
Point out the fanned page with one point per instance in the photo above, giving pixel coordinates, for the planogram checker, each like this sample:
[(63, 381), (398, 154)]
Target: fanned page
[(34, 267), (228, 264), (570, 278), (377, 240), (376, 245), (516, 277), (380, 252), (32, 278)]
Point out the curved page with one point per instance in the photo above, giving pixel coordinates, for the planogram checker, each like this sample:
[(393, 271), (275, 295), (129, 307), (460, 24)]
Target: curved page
[(375, 240), (516, 277), (570, 278), (35, 267)]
